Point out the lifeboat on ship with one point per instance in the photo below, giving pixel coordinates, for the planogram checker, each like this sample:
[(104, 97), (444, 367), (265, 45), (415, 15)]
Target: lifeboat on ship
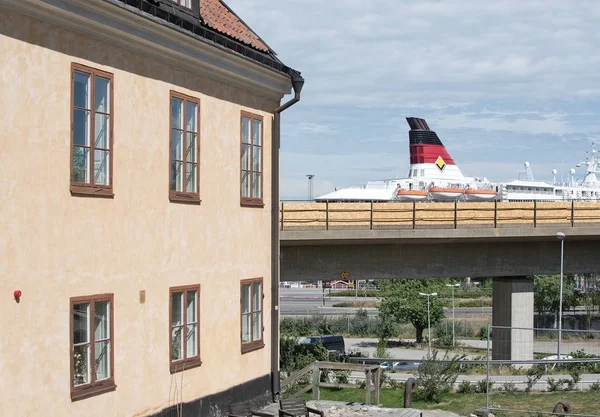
[(411, 195), (473, 194), (445, 193)]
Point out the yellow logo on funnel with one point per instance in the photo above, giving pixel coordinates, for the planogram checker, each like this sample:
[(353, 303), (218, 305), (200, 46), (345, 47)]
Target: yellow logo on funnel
[(439, 162)]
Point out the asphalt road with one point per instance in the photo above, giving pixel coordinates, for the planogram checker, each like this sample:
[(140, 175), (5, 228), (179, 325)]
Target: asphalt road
[(310, 301)]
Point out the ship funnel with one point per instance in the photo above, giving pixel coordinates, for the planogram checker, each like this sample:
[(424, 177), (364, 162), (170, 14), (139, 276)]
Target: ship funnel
[(428, 155)]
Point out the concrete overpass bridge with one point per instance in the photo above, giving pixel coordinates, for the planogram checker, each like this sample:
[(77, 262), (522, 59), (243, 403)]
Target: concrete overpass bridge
[(509, 241)]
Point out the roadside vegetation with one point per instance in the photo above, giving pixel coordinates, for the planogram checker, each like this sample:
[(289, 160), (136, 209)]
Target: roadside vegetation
[(403, 315)]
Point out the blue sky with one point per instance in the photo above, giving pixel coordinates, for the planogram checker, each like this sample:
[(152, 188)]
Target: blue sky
[(501, 82)]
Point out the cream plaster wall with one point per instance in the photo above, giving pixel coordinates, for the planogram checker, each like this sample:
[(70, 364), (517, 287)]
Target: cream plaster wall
[(54, 246)]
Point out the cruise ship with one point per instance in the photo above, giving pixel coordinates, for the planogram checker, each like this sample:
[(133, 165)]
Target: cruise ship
[(434, 176)]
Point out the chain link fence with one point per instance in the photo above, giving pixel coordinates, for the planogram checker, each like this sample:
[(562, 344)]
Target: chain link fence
[(540, 361)]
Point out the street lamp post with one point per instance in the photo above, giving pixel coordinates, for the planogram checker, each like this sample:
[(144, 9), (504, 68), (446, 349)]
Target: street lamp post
[(428, 320), (452, 286), (560, 236), (310, 186)]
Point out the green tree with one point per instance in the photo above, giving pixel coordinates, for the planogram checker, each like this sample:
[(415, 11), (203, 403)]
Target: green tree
[(401, 302), (547, 294)]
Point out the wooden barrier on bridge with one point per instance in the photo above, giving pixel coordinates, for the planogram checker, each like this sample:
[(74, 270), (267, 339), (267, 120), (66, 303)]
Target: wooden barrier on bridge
[(394, 215)]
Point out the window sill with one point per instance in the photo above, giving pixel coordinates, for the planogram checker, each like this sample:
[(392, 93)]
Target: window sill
[(251, 347), (91, 191), (184, 365), (252, 203), (184, 198), (87, 392)]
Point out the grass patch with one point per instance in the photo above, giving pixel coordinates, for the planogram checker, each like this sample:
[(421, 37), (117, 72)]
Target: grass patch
[(358, 304), (587, 402), (354, 293)]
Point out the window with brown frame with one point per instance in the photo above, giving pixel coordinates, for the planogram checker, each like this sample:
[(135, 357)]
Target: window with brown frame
[(184, 333), (91, 131), (252, 160), (92, 346), (184, 148), (252, 314)]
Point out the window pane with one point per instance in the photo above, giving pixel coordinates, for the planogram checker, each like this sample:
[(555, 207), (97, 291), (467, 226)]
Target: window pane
[(177, 145), (246, 299), (102, 352), (190, 181), (256, 296), (245, 130), (177, 344), (101, 167), (176, 113), (191, 151), (81, 164), (101, 320), (102, 95), (81, 362), (192, 306), (245, 328), (102, 131), (176, 176), (256, 326), (176, 308), (81, 90), (81, 127), (245, 156), (256, 186), (191, 117), (256, 132), (81, 321), (257, 162), (192, 340), (245, 183)]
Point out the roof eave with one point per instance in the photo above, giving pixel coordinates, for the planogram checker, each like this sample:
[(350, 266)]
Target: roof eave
[(113, 22)]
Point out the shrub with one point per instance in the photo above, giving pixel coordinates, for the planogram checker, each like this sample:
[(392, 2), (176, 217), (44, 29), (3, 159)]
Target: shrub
[(483, 385), (509, 387), (533, 375), (361, 323), (483, 333), (382, 351), (553, 384), (436, 377), (342, 377), (595, 387), (465, 387)]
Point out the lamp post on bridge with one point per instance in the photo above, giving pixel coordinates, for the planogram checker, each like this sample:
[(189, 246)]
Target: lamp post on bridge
[(428, 321), (560, 236), (452, 286)]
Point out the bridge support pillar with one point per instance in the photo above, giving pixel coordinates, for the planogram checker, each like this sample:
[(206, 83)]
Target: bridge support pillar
[(512, 312)]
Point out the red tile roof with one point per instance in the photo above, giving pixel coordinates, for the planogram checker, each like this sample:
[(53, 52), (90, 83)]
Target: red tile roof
[(220, 18)]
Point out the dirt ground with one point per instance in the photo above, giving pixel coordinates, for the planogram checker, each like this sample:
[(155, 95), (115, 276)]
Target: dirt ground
[(371, 411), (343, 409)]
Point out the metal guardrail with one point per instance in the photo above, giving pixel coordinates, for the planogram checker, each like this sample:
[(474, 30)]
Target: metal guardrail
[(294, 215)]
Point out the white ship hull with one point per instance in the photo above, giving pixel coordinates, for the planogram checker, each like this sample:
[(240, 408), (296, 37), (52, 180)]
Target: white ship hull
[(435, 176)]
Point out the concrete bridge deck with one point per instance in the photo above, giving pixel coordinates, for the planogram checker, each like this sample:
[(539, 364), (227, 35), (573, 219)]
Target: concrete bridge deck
[(319, 241)]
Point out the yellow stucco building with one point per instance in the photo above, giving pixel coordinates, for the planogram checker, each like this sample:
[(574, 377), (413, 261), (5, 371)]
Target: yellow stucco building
[(137, 241)]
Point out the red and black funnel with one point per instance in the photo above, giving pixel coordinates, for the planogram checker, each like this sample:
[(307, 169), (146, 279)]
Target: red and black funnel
[(425, 146)]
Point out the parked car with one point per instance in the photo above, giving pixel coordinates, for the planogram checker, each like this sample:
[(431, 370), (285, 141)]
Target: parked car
[(405, 366), (399, 366), (332, 343)]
